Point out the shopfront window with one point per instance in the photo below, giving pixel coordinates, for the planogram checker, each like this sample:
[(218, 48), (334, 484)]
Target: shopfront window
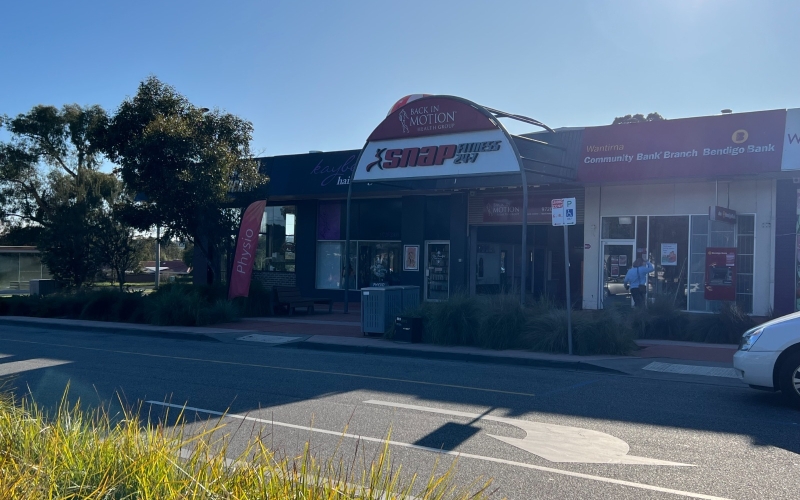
[(669, 248), (331, 270), (745, 261), (619, 228), (706, 234), (276, 240), (677, 245), (372, 263)]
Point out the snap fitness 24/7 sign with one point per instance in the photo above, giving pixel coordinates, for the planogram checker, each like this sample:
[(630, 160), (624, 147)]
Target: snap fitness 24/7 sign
[(436, 137)]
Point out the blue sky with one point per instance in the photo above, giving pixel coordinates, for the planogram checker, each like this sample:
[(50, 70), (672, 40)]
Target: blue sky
[(320, 75)]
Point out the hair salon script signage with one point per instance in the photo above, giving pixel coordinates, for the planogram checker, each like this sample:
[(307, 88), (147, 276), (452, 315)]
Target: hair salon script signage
[(735, 144), (436, 136), (310, 174)]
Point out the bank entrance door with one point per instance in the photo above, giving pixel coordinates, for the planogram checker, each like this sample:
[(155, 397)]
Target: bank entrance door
[(617, 259), (437, 270)]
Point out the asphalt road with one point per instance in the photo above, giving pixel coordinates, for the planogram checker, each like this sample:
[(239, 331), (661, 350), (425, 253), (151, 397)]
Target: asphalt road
[(538, 433)]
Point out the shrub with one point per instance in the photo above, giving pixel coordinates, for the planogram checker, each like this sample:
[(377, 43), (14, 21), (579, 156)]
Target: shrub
[(660, 320), (221, 311), (593, 332), (174, 305), (502, 324), (60, 305), (454, 321), (101, 305), (129, 308), (724, 327)]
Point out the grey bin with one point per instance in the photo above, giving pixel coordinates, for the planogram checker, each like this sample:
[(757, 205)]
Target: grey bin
[(42, 287), (379, 306), (410, 297)]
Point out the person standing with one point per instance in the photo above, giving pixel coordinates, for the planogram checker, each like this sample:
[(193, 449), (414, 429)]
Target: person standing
[(636, 280)]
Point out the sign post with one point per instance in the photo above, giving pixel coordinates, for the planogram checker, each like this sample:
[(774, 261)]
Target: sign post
[(563, 212)]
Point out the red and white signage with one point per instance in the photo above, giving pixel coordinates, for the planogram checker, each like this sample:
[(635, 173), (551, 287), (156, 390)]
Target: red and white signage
[(245, 254), (436, 137)]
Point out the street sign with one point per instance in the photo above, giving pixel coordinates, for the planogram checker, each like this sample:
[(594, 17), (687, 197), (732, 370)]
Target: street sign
[(557, 211), (570, 212), (563, 212)]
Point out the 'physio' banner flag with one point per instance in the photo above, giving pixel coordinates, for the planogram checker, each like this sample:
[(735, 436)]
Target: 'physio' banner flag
[(246, 250)]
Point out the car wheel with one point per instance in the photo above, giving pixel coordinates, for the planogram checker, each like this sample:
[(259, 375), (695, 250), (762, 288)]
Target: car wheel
[(789, 380)]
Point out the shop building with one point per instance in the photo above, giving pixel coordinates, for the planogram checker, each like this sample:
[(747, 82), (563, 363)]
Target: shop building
[(650, 189)]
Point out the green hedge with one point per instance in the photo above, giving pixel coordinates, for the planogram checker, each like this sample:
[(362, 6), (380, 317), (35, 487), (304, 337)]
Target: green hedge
[(498, 322), (171, 304)]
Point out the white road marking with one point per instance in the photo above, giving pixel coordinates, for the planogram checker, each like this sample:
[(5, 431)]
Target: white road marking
[(556, 443), (707, 371), (269, 339), (449, 453), (29, 364)]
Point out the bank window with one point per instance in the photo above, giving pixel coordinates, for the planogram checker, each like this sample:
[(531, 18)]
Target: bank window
[(745, 255), (706, 234), (276, 240), (669, 249), (619, 228)]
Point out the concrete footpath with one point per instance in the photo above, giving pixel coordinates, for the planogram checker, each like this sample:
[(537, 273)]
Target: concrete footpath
[(335, 333)]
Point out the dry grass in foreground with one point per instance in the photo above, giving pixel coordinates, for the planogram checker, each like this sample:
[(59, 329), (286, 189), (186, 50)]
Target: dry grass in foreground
[(79, 454)]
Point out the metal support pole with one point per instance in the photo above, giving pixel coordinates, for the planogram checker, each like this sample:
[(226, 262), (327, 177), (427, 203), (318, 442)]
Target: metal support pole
[(523, 270), (158, 255), (569, 300), (347, 248)]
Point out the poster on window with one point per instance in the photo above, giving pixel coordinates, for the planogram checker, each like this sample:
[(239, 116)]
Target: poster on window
[(411, 258), (669, 254), (720, 274), (623, 261), (614, 271)]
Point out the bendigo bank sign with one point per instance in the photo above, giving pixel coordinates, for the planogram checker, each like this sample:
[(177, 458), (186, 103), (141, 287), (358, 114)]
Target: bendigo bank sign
[(736, 144)]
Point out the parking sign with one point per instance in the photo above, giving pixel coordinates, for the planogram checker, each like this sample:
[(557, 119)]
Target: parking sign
[(557, 211), (570, 212)]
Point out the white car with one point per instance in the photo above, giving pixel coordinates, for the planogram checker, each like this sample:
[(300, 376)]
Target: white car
[(769, 357)]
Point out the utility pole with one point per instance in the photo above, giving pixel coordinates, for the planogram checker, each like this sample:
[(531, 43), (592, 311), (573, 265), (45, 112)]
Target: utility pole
[(158, 255)]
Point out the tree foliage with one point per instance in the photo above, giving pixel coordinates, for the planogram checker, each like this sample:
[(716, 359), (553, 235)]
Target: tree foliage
[(185, 160), (638, 118), (51, 189)]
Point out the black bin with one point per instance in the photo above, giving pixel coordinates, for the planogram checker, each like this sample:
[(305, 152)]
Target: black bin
[(408, 329)]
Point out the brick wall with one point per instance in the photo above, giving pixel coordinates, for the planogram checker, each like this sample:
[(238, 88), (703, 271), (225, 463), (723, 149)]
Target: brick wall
[(274, 278)]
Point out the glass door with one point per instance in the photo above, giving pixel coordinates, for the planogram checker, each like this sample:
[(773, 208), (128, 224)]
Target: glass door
[(617, 259), (437, 270)]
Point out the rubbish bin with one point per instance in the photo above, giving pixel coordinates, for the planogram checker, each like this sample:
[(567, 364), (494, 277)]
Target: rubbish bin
[(408, 329), (410, 297), (42, 287), (379, 306)]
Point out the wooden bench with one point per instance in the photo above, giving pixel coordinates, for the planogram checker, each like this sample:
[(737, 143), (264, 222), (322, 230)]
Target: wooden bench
[(289, 297)]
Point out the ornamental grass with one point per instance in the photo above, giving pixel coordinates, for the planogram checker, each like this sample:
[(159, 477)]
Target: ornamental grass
[(80, 454)]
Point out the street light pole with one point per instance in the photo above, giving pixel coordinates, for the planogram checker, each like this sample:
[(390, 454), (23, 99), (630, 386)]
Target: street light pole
[(158, 255)]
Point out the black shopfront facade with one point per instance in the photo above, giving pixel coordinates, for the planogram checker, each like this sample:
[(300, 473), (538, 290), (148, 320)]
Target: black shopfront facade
[(462, 234)]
